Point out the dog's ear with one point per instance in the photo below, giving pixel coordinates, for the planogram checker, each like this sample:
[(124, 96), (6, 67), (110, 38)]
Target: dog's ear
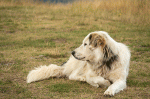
[(96, 40)]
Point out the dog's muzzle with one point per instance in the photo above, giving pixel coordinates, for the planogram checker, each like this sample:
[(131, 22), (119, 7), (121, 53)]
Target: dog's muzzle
[(73, 53)]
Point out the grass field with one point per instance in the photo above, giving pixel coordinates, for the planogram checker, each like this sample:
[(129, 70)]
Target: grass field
[(34, 33)]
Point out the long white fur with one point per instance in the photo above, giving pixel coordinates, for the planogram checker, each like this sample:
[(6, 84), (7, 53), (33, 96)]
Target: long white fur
[(83, 71), (44, 72)]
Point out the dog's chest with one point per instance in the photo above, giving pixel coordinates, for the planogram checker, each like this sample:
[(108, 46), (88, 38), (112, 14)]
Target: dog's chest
[(102, 71)]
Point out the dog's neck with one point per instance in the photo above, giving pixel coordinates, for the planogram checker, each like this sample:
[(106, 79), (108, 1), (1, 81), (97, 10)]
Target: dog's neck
[(99, 69), (94, 65), (103, 67)]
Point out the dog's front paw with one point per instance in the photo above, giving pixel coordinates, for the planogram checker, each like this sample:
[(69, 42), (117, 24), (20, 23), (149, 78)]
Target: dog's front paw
[(109, 92), (107, 83), (104, 84), (82, 79)]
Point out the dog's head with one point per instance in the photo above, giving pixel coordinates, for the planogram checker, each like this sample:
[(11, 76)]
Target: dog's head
[(95, 48)]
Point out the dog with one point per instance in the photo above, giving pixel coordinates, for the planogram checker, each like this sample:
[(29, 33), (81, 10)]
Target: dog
[(100, 61)]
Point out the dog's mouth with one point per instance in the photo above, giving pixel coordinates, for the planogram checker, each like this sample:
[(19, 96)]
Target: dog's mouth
[(79, 58)]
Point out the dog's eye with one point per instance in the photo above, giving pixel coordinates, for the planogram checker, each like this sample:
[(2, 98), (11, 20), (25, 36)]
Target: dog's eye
[(85, 44)]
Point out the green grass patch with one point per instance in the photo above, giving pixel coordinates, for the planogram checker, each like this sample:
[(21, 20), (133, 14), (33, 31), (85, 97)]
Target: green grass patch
[(63, 88), (63, 55), (137, 83)]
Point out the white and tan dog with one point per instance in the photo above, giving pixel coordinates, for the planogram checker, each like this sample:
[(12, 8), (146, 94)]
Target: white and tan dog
[(99, 61)]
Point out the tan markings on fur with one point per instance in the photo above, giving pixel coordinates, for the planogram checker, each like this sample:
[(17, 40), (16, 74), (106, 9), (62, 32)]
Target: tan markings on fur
[(97, 40)]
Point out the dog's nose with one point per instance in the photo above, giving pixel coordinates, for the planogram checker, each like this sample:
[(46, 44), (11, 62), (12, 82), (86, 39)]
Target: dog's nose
[(73, 52)]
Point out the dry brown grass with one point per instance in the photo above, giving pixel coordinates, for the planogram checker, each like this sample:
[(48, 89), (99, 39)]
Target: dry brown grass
[(131, 11)]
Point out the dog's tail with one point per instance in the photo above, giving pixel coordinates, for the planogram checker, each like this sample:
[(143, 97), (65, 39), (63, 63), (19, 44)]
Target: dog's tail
[(45, 72)]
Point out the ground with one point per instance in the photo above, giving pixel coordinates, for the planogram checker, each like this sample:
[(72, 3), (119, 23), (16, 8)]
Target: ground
[(34, 34)]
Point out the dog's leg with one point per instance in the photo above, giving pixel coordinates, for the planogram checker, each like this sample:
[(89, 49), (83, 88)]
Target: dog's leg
[(97, 81), (45, 72), (74, 76), (78, 78), (118, 78), (116, 87)]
